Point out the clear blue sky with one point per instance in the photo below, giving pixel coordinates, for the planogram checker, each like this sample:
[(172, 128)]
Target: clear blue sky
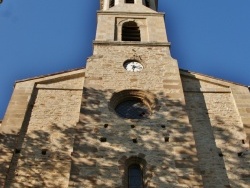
[(39, 37)]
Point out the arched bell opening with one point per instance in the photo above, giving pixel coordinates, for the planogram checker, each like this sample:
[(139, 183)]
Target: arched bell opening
[(131, 31)]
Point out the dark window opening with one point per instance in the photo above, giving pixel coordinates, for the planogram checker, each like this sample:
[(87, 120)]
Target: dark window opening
[(130, 32), (221, 154), (134, 140), (147, 3), (132, 109), (44, 151), (135, 176), (130, 1), (17, 151), (111, 3), (103, 139), (166, 139)]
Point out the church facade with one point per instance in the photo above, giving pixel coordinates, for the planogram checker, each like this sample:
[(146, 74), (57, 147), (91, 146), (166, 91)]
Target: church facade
[(132, 118)]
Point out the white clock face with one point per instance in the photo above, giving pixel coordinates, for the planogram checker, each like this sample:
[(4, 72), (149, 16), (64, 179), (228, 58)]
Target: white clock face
[(133, 66)]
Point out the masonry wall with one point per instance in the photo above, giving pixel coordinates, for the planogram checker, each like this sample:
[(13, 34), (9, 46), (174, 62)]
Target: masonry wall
[(40, 151), (11, 126), (151, 25), (170, 158), (219, 133), (50, 149)]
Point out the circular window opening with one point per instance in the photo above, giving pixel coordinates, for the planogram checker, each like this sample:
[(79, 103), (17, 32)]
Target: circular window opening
[(133, 104), (132, 108)]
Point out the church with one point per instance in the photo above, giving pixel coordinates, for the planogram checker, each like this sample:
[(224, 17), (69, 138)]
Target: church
[(130, 119)]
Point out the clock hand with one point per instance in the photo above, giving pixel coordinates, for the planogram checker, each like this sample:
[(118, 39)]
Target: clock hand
[(137, 67), (133, 67)]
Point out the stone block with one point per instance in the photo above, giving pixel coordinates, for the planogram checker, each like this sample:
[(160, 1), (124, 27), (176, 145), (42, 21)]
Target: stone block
[(186, 164)]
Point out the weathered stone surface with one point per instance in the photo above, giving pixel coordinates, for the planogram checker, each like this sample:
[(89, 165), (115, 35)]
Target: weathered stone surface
[(41, 149), (62, 130), (219, 135)]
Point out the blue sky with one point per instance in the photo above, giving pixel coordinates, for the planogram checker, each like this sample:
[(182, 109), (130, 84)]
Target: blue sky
[(43, 37)]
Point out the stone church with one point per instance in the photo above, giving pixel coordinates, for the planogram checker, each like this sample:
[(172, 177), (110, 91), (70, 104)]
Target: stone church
[(131, 119)]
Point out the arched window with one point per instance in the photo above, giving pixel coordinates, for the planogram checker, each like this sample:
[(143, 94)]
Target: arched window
[(135, 176), (111, 3), (130, 1), (130, 32)]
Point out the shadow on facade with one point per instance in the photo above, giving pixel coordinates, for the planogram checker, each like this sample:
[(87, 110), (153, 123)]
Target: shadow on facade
[(164, 141), (38, 160), (217, 131), (104, 142)]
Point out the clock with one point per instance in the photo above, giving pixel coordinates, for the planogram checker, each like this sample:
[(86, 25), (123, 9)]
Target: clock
[(133, 66)]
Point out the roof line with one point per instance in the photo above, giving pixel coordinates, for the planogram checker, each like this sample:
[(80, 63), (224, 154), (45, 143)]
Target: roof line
[(184, 70), (36, 77)]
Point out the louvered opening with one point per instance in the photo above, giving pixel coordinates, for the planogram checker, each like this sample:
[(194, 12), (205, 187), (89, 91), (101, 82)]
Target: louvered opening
[(111, 3), (131, 32), (130, 1)]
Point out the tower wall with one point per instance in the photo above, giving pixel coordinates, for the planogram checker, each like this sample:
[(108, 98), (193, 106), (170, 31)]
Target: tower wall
[(152, 26), (158, 140)]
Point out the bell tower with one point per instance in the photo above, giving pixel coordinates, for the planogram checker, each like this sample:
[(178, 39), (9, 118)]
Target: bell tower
[(133, 129)]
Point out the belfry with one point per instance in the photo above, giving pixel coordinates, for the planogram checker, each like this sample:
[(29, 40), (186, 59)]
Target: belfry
[(131, 119)]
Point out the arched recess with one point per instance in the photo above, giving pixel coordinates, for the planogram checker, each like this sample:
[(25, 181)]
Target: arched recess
[(140, 23), (135, 168), (131, 31), (135, 176)]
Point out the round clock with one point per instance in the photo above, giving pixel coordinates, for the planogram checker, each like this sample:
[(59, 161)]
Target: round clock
[(133, 66)]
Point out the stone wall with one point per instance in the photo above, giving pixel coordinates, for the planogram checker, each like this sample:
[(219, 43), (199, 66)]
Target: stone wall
[(151, 25), (37, 154), (105, 142), (52, 150), (49, 139), (62, 130), (219, 133)]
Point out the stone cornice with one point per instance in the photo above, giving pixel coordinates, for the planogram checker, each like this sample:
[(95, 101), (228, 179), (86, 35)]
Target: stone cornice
[(125, 43), (131, 13)]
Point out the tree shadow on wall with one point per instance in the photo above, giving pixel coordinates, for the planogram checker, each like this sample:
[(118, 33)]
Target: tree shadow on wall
[(42, 151), (103, 143), (218, 134)]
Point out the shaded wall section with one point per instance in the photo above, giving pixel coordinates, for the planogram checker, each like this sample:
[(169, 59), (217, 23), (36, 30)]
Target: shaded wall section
[(37, 153), (218, 132)]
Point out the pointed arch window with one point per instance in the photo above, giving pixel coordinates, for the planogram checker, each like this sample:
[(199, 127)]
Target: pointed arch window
[(130, 1), (111, 3), (135, 176), (130, 31)]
